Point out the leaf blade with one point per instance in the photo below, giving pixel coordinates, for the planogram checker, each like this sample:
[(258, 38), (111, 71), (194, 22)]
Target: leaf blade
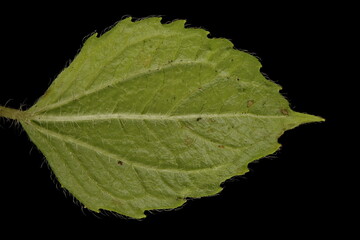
[(150, 114)]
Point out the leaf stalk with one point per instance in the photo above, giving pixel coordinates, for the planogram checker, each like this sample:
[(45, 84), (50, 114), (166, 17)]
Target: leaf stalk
[(12, 113)]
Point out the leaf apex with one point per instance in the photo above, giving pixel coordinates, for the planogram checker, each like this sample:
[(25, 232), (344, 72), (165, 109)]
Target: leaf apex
[(307, 118)]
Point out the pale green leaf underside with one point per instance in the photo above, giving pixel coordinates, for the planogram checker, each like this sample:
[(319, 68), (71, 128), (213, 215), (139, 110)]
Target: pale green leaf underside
[(150, 114)]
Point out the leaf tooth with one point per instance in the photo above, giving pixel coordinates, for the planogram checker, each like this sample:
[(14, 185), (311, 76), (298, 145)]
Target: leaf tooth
[(127, 19), (149, 20), (179, 23)]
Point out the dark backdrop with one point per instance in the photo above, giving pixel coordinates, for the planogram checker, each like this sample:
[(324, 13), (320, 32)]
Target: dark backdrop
[(294, 190)]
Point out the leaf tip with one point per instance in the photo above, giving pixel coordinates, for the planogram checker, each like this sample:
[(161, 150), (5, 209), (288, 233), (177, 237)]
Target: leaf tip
[(307, 118)]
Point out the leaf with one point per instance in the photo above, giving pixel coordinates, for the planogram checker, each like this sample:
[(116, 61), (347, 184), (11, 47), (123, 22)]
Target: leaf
[(150, 114)]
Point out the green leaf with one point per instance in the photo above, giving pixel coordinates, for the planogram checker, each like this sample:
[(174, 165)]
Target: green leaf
[(150, 114)]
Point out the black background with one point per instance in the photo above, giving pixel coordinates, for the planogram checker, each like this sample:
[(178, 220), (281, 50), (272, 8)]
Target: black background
[(295, 190)]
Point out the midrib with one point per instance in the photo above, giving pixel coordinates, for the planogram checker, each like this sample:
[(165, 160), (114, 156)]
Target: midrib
[(153, 117)]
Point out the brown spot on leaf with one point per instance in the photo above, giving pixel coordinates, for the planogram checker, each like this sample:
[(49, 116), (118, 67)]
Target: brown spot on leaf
[(250, 103), (212, 120), (284, 111), (198, 119), (221, 146), (120, 163), (189, 141)]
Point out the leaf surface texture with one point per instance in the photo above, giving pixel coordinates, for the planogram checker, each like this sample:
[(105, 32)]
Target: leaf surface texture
[(150, 114)]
